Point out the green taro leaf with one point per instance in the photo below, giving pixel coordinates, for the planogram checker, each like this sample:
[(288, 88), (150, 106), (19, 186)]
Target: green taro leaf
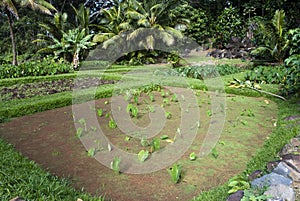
[(193, 156), (143, 155), (115, 164)]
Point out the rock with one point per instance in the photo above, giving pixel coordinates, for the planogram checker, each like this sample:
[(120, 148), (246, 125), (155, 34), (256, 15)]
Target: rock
[(254, 175), (272, 165), (282, 169), (16, 199), (237, 196), (294, 169), (281, 191), (291, 118), (271, 180)]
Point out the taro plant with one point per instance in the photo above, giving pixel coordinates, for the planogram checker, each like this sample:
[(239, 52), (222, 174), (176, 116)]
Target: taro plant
[(133, 110), (168, 115), (175, 172), (143, 155), (79, 132), (100, 112), (115, 164), (155, 144), (91, 152), (83, 123), (193, 156), (237, 183), (151, 97), (112, 123)]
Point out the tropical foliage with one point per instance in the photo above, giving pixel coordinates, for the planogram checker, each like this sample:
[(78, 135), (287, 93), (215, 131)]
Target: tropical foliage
[(275, 45)]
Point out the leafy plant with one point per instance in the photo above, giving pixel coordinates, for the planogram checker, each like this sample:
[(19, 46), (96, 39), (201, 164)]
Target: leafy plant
[(174, 98), (79, 132), (237, 183), (274, 38), (151, 97), (46, 66), (112, 124), (209, 113), (144, 142), (193, 156), (155, 144), (91, 152), (291, 83), (168, 115), (115, 164), (133, 110), (175, 172), (151, 108), (136, 99), (100, 112), (255, 194), (229, 24), (215, 153), (83, 123), (143, 155)]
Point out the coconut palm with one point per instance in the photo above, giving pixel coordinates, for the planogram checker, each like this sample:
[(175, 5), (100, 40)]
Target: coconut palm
[(10, 10), (113, 24), (153, 14)]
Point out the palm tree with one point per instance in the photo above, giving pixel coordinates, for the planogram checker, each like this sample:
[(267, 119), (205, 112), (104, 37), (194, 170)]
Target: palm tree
[(10, 10), (154, 14), (113, 24)]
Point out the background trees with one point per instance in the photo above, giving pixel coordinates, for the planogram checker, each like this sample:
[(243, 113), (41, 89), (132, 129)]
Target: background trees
[(207, 22)]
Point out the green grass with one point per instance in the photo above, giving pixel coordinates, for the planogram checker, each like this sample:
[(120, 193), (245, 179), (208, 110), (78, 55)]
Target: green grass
[(24, 178)]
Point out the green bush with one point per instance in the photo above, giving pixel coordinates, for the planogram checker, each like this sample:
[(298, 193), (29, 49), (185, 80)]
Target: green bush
[(203, 72), (198, 27), (228, 24), (267, 74), (291, 83), (34, 68)]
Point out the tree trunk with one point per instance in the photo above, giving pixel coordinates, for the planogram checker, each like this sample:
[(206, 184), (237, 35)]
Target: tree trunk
[(12, 36)]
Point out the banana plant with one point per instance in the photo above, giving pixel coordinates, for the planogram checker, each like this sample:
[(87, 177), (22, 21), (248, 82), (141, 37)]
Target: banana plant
[(275, 42)]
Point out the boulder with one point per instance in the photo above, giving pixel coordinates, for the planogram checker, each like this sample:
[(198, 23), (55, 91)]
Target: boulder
[(280, 191), (271, 180), (237, 196)]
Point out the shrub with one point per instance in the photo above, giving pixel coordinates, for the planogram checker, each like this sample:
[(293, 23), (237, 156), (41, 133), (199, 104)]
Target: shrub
[(202, 72), (197, 28), (267, 74), (35, 68), (229, 24), (291, 83)]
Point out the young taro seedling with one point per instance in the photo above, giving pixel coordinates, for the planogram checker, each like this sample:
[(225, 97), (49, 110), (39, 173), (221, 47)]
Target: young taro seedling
[(100, 112), (112, 124), (83, 123), (151, 97), (168, 115), (115, 164), (155, 144), (175, 172), (133, 110), (91, 152), (79, 132)]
